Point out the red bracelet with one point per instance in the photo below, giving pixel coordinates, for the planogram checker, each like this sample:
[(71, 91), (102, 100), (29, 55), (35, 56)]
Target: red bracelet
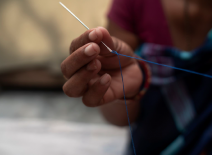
[(146, 79)]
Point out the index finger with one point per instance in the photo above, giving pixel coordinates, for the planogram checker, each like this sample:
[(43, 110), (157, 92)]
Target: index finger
[(94, 35)]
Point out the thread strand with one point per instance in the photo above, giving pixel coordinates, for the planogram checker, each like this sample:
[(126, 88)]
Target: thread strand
[(181, 69), (185, 70), (126, 103)]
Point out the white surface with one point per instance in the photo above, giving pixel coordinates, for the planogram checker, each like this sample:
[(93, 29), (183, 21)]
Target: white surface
[(50, 123), (47, 106), (59, 138)]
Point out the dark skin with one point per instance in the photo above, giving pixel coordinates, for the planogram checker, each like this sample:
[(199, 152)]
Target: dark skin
[(97, 78), (93, 72), (199, 22)]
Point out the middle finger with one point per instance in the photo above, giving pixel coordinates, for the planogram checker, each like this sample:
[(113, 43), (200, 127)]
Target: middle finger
[(79, 58)]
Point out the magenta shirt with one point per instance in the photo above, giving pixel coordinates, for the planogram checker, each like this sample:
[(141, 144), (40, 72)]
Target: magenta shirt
[(172, 94), (145, 18)]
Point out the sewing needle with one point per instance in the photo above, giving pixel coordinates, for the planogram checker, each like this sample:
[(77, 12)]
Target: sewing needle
[(82, 23)]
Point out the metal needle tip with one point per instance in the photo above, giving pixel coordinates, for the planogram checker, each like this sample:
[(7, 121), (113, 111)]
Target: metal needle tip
[(81, 23)]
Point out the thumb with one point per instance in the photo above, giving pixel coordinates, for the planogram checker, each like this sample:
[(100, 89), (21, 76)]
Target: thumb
[(114, 44), (106, 40)]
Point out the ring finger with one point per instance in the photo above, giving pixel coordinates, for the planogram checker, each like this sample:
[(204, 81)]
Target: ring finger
[(78, 83)]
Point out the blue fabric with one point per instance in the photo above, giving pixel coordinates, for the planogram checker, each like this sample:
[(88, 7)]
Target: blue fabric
[(155, 128)]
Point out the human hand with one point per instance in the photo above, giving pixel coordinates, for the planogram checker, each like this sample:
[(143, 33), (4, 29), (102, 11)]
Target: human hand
[(93, 72)]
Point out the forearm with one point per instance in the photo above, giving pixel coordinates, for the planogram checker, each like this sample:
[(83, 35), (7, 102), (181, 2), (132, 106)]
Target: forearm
[(116, 114), (131, 39)]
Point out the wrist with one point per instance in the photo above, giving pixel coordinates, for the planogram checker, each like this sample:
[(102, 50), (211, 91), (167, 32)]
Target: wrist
[(146, 79)]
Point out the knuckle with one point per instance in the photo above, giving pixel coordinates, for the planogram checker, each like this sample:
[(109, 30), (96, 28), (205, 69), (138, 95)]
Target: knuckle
[(81, 41), (69, 88), (72, 46), (73, 94), (66, 90), (78, 42), (89, 103), (63, 68), (69, 92), (84, 101)]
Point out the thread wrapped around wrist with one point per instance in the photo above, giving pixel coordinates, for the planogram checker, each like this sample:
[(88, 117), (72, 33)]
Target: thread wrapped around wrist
[(146, 79)]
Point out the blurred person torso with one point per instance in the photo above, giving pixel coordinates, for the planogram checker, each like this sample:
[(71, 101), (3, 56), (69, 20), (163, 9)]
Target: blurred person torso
[(175, 115)]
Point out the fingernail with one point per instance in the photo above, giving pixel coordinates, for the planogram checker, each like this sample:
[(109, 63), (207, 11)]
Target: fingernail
[(92, 35), (89, 50), (105, 79), (91, 66)]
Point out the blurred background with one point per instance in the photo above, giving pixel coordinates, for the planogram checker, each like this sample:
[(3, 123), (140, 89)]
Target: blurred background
[(36, 117)]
